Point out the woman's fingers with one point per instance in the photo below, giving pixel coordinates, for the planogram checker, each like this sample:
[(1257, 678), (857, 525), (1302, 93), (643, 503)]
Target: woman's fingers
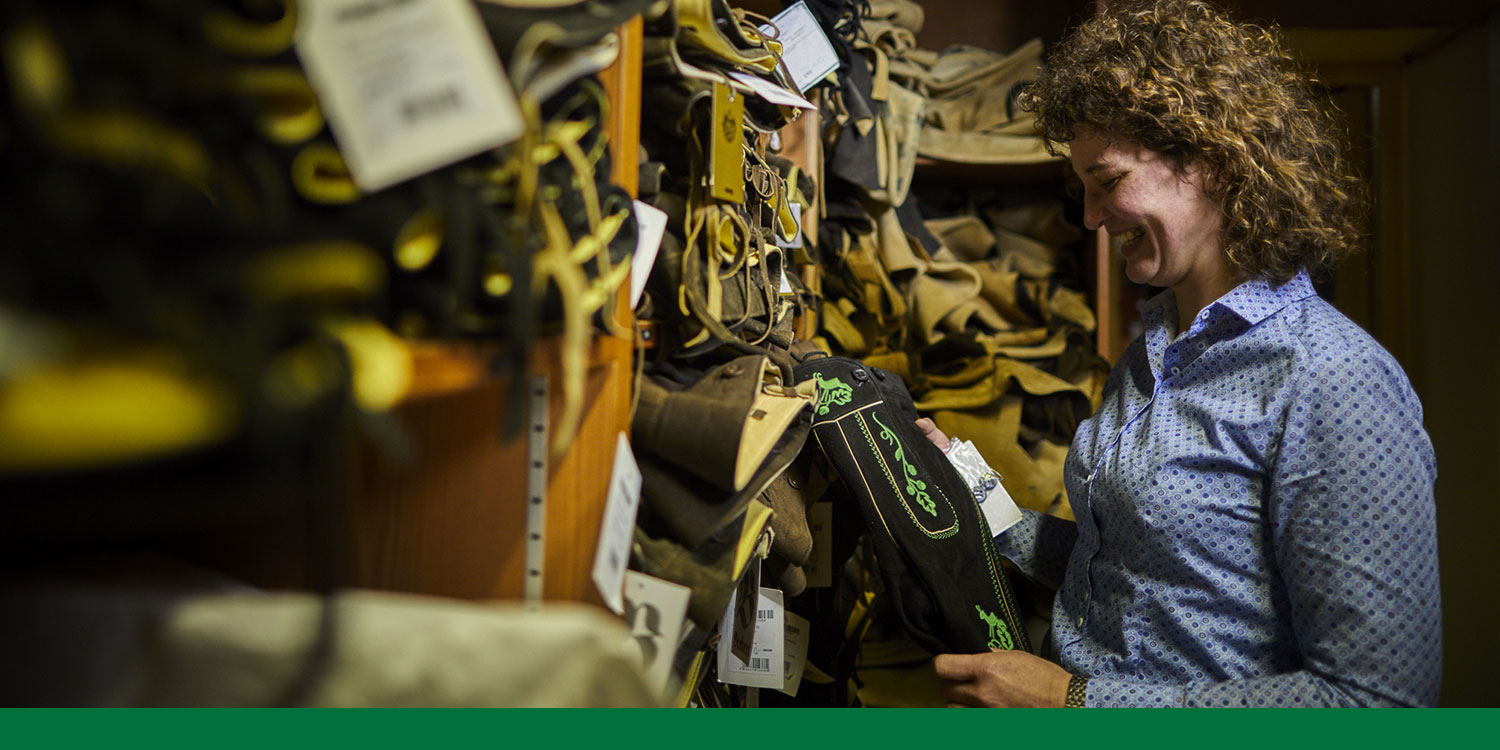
[(930, 429), (958, 694)]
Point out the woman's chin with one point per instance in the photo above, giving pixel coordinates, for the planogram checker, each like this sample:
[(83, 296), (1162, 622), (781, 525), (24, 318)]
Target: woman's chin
[(1139, 273)]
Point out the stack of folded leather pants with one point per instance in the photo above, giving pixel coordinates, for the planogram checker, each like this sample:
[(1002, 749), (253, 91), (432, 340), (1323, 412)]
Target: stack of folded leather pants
[(186, 265), (972, 300), (971, 297), (183, 218)]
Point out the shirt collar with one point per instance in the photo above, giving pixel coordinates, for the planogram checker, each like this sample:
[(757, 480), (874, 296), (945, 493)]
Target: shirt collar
[(1253, 301)]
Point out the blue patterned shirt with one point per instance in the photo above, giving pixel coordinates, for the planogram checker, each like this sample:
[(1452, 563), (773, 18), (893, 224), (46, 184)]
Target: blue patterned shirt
[(1255, 517)]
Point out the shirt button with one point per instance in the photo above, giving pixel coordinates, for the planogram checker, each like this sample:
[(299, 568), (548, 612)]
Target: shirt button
[(1085, 596), (1080, 622)]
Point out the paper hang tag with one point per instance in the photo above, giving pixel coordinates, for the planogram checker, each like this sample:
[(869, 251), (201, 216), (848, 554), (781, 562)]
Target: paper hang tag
[(819, 566), (765, 666), (655, 611), (726, 157), (771, 92), (805, 49), (740, 633), (407, 86), (796, 240), (652, 223), (617, 531), (794, 660), (1000, 510)]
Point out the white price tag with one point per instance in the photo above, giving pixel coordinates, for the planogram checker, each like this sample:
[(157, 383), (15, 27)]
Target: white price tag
[(408, 85), (1000, 510), (796, 240), (618, 528), (655, 611), (805, 49), (652, 223), (742, 605), (771, 92), (819, 566), (765, 667), (795, 660)]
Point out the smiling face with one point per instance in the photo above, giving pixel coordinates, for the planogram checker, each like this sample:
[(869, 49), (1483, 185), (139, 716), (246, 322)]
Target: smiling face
[(1161, 220)]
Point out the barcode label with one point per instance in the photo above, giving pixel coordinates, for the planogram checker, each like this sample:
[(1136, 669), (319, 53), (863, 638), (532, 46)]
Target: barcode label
[(760, 665), (437, 104), (407, 86), (764, 614)]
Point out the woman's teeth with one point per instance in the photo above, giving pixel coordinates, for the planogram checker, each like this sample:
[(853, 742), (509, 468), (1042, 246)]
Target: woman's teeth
[(1126, 238)]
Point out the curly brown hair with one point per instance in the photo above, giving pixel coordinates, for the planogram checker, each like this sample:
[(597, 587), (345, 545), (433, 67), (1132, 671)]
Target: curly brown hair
[(1181, 79)]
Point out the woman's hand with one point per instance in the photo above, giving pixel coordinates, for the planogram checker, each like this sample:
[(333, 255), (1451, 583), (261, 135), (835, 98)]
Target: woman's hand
[(930, 429), (1009, 679)]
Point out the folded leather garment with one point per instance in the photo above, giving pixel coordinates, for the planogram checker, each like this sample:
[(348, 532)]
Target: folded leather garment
[(135, 630), (710, 568), (707, 451), (971, 113)]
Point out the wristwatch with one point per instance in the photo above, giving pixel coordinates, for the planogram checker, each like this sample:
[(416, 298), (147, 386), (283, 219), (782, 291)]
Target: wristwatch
[(1077, 691)]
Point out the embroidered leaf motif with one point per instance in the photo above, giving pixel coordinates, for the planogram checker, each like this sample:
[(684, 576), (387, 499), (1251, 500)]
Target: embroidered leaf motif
[(914, 487), (999, 634), (831, 392)]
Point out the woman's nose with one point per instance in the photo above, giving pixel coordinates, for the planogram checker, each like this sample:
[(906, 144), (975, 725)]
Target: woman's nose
[(1094, 213)]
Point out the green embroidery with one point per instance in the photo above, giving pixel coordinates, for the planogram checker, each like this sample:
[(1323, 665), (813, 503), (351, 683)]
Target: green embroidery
[(885, 465), (831, 392), (914, 487), (999, 635)]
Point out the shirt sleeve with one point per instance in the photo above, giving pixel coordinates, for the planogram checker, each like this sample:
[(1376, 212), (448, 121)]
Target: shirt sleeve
[(1039, 545), (1354, 538)]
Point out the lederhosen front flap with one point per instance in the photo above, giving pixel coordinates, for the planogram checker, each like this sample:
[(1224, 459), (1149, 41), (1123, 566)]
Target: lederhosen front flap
[(933, 546)]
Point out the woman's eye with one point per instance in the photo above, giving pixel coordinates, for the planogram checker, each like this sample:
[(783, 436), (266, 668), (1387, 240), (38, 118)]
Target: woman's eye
[(1111, 182)]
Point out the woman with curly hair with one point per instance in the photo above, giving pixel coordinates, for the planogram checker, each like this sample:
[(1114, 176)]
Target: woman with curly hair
[(1254, 496)]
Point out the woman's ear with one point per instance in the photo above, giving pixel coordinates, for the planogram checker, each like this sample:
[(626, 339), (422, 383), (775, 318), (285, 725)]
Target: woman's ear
[(1212, 183)]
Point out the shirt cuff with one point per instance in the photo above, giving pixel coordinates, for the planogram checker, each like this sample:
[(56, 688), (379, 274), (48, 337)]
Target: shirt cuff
[(1117, 692)]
